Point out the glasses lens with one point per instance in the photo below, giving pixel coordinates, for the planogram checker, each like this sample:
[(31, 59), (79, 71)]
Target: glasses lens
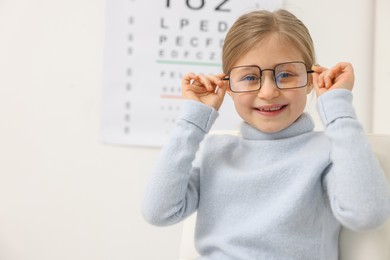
[(291, 75), (244, 79)]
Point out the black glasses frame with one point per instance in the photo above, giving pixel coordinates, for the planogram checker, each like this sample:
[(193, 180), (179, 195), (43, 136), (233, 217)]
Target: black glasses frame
[(261, 75)]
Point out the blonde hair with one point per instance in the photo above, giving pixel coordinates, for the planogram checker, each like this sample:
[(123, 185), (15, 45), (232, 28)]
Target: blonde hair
[(253, 27)]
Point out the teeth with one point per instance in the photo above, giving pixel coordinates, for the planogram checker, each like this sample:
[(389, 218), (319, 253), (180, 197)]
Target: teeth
[(269, 108)]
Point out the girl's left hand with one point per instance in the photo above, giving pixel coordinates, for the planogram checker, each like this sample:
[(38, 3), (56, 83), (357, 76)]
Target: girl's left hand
[(340, 76)]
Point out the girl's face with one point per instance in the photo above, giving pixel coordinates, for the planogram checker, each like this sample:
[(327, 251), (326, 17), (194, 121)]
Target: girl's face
[(270, 109)]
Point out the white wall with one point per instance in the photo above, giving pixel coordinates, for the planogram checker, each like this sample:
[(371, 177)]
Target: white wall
[(64, 195), (381, 90), (343, 31)]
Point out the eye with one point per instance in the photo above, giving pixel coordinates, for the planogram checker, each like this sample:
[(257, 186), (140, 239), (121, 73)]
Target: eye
[(284, 75), (250, 78)]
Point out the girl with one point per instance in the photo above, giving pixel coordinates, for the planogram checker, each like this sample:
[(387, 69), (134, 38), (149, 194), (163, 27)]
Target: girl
[(279, 190)]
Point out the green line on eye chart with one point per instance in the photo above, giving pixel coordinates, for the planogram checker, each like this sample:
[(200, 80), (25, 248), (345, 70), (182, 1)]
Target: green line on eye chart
[(193, 63)]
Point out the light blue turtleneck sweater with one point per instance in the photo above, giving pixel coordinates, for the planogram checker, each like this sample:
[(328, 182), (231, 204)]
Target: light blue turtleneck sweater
[(268, 196)]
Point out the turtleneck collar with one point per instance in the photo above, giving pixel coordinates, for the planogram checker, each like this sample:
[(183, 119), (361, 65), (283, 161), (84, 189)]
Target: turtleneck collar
[(302, 125)]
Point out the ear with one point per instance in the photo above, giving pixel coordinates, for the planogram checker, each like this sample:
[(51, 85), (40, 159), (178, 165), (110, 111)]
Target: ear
[(227, 87), (229, 92), (310, 85), (309, 88)]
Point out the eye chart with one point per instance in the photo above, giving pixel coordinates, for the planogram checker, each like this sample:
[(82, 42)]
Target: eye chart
[(149, 46)]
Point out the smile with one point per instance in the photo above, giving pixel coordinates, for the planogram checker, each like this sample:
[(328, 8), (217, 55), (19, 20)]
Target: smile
[(271, 110)]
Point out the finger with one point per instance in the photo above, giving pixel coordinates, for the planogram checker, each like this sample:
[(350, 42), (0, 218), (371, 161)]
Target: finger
[(221, 91), (318, 76), (333, 73), (221, 75), (321, 83), (318, 69), (342, 75), (207, 82), (221, 83), (315, 80), (189, 78), (217, 81), (343, 66), (329, 77)]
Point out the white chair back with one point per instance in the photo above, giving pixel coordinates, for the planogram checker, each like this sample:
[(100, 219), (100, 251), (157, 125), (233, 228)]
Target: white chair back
[(374, 244)]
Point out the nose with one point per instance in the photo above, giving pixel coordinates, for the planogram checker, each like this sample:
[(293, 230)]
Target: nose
[(268, 88)]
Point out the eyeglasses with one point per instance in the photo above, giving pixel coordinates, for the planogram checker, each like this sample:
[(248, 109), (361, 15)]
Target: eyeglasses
[(287, 75)]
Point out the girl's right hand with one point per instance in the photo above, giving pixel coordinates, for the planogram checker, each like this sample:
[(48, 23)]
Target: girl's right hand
[(209, 90)]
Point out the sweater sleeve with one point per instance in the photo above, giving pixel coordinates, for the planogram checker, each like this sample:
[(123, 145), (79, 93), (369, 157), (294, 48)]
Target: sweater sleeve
[(172, 191), (355, 183)]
